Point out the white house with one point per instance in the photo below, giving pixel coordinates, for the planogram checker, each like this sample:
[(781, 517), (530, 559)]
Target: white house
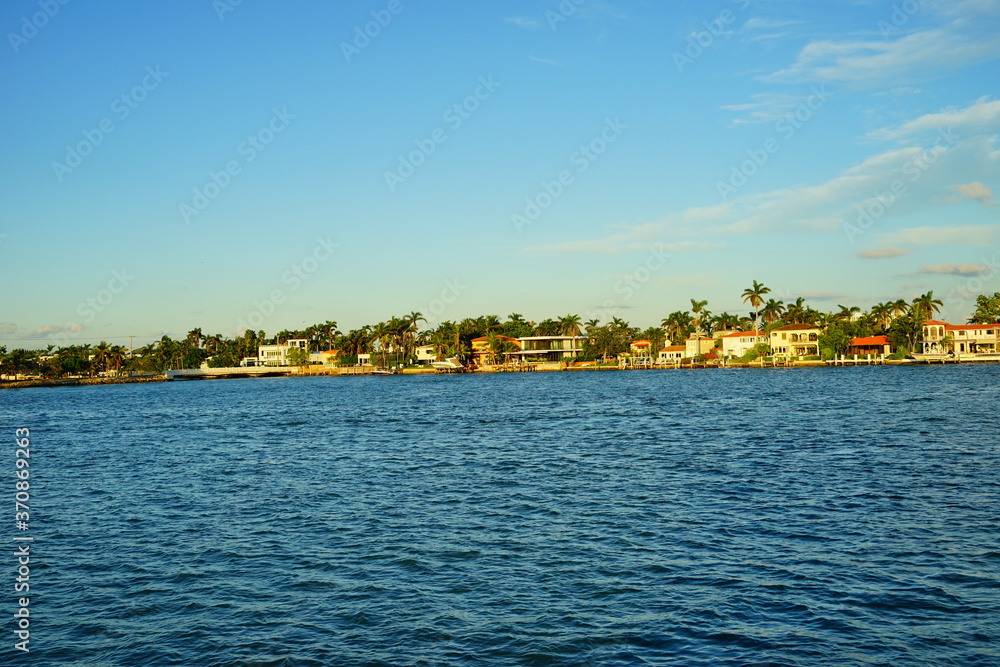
[(277, 355), (671, 354), (738, 343), (425, 354)]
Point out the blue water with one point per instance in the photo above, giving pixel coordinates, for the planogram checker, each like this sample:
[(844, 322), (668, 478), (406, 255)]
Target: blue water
[(730, 517)]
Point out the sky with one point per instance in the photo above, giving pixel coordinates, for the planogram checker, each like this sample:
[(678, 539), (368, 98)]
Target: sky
[(227, 164)]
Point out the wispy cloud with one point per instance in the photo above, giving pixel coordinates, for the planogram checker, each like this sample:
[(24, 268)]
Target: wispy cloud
[(521, 22), (961, 235), (981, 116), (883, 253), (545, 61), (967, 34), (954, 269)]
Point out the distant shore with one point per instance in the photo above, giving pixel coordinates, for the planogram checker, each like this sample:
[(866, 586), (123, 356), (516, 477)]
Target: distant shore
[(354, 371)]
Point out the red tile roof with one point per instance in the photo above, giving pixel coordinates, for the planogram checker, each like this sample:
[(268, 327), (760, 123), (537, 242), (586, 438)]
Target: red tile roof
[(737, 334), (934, 322), (870, 340)]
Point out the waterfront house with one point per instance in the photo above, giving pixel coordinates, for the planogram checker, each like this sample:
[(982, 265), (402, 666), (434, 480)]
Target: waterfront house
[(696, 345), (933, 339), (973, 338), (641, 348), (942, 338), (548, 348), (671, 354), (277, 355), (738, 343), (326, 357), (869, 345), (482, 351), (426, 354), (795, 340)]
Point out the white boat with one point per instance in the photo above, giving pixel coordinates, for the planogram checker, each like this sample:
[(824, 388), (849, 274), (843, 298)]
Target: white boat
[(382, 371), (451, 364)]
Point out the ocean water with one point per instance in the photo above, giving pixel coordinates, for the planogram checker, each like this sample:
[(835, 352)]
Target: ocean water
[(815, 517)]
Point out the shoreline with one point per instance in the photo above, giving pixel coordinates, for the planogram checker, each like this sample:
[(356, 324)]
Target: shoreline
[(354, 371)]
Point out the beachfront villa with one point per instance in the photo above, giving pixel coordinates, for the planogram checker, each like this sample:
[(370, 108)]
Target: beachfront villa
[(549, 348), (325, 357), (277, 355), (795, 340), (738, 343)]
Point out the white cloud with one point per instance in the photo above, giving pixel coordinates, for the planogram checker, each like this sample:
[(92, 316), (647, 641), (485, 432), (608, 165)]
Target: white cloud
[(954, 269), (975, 190), (981, 116), (967, 33), (883, 253), (967, 235)]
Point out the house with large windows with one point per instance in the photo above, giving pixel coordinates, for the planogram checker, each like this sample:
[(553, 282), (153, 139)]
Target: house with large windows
[(277, 354), (483, 353), (795, 340), (548, 348)]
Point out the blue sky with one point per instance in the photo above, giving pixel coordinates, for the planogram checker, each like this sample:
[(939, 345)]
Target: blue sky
[(167, 165)]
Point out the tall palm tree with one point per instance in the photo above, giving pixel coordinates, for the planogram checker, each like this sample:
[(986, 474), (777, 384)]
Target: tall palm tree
[(846, 313), (755, 295), (795, 312)]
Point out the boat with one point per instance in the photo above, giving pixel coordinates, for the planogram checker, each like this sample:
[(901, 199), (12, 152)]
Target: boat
[(450, 364), (382, 371)]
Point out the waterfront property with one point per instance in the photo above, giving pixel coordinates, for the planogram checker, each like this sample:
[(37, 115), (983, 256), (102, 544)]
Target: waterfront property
[(942, 338), (870, 345), (738, 343), (696, 345), (483, 353), (671, 354), (549, 348), (795, 340), (277, 355)]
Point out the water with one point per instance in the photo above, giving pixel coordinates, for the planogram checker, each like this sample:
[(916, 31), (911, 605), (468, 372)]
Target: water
[(734, 517)]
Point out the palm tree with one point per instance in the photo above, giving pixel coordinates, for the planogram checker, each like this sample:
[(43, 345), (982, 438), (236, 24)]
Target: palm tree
[(846, 313), (926, 305), (755, 295), (194, 337), (796, 312), (696, 308), (772, 311), (570, 325), (101, 354)]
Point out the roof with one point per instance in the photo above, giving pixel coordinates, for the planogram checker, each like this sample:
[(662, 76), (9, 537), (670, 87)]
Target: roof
[(738, 334), (791, 327), (673, 348), (484, 338), (971, 327), (870, 340), (934, 322), (641, 343)]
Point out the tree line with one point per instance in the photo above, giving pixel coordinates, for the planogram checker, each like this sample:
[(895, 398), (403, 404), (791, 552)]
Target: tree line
[(396, 339)]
